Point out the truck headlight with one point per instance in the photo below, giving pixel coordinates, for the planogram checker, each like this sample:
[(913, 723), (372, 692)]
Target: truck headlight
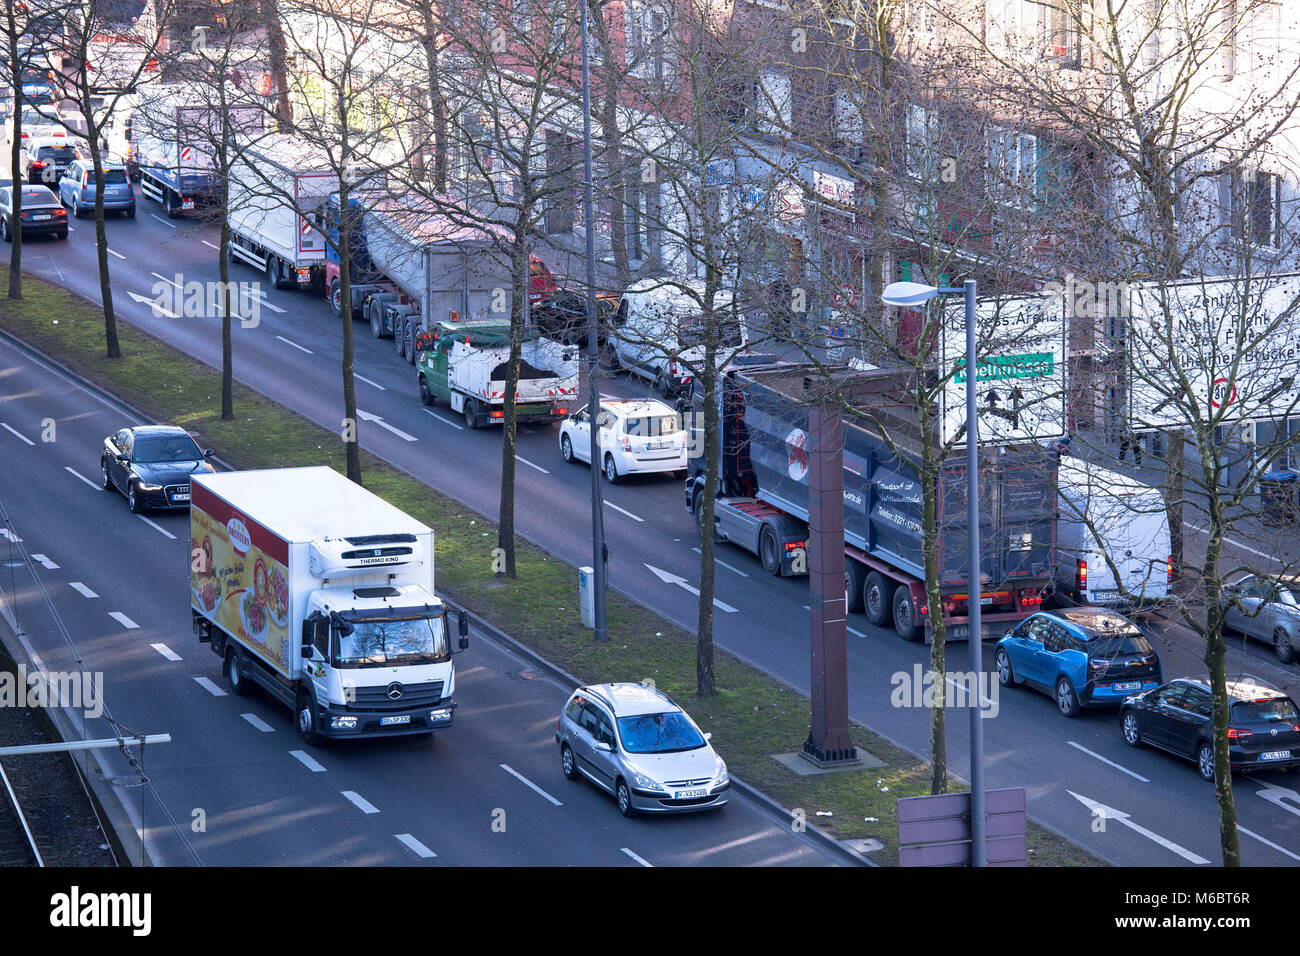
[(645, 783), (440, 716), (343, 722)]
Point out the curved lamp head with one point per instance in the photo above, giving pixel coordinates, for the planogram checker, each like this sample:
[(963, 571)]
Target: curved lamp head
[(906, 294)]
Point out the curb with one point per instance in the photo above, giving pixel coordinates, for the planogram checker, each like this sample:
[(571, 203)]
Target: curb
[(765, 803)]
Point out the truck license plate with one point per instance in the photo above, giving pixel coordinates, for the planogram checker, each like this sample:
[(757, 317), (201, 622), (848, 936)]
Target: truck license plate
[(1127, 685), (187, 203), (691, 794), (398, 719), (1276, 755), (959, 631)]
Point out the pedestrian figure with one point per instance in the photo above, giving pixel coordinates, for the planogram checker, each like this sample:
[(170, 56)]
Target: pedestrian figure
[(1131, 440)]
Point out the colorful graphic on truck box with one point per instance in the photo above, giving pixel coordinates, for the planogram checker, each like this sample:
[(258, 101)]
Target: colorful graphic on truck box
[(239, 577)]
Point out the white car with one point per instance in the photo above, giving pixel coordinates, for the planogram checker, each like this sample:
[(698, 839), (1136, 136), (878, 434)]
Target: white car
[(637, 436)]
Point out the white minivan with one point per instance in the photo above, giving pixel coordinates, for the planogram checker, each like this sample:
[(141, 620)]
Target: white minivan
[(1102, 515), (658, 328)]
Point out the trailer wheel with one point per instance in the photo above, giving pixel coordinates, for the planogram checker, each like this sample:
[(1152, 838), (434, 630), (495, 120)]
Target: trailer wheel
[(273, 271), (235, 674), (426, 396), (768, 552), (304, 718), (905, 614), (399, 340), (878, 598), (854, 576), (410, 343), (336, 297)]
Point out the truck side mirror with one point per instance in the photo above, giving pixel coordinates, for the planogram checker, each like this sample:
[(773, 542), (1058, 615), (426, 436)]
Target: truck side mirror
[(462, 627)]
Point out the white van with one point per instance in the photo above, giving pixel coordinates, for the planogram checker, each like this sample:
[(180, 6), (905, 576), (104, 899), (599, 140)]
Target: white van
[(1102, 515), (659, 325)]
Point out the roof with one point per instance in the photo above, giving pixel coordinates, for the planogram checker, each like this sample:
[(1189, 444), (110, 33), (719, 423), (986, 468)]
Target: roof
[(630, 700), (147, 430), (1085, 476), (1238, 689), (1097, 618), (301, 504), (637, 406)]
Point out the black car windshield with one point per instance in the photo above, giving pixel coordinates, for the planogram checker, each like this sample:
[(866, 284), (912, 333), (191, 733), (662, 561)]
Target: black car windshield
[(167, 448), (374, 643), (1279, 709), (658, 734), (60, 154), (1117, 645)]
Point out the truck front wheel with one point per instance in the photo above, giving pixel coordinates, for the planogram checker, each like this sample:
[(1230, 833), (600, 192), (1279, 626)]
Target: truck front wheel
[(169, 203), (471, 413), (304, 718), (768, 552), (235, 674), (877, 598), (426, 396), (905, 614)]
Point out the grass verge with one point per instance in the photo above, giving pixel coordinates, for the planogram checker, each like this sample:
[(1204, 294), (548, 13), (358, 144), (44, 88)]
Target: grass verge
[(752, 717)]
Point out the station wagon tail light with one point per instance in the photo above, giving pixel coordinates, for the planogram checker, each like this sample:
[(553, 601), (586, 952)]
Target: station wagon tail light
[(1236, 733), (1081, 576)]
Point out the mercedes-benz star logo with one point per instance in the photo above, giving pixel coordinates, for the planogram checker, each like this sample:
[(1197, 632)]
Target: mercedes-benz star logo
[(394, 690)]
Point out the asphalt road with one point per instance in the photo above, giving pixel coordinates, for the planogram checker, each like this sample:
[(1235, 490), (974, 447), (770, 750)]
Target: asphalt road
[(488, 791), (292, 355)]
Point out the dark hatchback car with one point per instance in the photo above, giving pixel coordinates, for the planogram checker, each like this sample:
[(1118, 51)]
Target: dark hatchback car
[(562, 315), (41, 213), (1263, 725), (152, 465)]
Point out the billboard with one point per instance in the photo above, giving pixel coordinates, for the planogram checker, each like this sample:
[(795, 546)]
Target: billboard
[(1234, 343), (1020, 387)]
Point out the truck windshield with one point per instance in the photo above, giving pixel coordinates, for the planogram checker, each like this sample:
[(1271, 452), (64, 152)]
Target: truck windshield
[(376, 642)]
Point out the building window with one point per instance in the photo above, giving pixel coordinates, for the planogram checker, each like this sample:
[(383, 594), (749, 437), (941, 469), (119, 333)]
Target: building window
[(919, 16), (1227, 12), (523, 17), (559, 26), (647, 33), (1256, 207), (1012, 165), (921, 138)]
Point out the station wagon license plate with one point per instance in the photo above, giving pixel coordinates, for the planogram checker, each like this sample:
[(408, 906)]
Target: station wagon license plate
[(691, 794), (1276, 755), (1127, 685), (391, 721)]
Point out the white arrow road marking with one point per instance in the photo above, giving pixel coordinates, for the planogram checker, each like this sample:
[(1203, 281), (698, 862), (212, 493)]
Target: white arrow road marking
[(210, 687), (122, 619), (10, 536), (306, 760), (415, 846), (637, 858), (362, 804), (171, 282), (1280, 849), (158, 310), (45, 562), (610, 504), (459, 428), (531, 465), (258, 722), (369, 417), (723, 564), (1276, 795), (166, 652), (295, 345), (1111, 763), (157, 527), (17, 434), (77, 474), (82, 590), (669, 578), (1119, 816), (528, 783)]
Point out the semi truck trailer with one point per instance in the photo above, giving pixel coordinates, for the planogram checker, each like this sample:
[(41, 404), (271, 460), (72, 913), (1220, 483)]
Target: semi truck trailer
[(321, 593), (762, 504)]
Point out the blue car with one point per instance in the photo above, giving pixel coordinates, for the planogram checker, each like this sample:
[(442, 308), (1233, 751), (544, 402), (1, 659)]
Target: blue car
[(1082, 657), (77, 188)]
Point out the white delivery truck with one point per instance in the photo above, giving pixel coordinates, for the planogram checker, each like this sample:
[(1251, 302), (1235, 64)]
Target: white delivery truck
[(174, 132), (276, 188), (465, 364), (321, 593), (1102, 515)]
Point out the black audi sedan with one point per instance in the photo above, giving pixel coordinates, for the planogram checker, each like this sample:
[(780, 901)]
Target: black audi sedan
[(152, 465), (1263, 724)]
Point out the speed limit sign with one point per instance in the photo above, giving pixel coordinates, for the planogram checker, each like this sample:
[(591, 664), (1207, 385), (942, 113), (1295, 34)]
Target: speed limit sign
[(1220, 394)]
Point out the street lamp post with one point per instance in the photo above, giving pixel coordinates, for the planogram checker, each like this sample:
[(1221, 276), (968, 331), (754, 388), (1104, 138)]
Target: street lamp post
[(593, 350), (905, 294)]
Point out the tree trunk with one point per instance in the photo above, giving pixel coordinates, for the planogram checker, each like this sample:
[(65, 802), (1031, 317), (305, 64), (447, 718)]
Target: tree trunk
[(279, 65), (1174, 460), (352, 427), (227, 312), (16, 251), (704, 682), (518, 316), (1215, 660), (616, 183), (112, 347), (930, 556), (437, 102)]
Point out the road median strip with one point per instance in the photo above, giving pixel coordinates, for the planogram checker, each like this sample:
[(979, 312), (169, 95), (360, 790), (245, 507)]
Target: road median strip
[(752, 717)]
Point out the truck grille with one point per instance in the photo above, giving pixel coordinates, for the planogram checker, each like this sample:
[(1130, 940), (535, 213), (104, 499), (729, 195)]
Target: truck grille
[(413, 696)]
